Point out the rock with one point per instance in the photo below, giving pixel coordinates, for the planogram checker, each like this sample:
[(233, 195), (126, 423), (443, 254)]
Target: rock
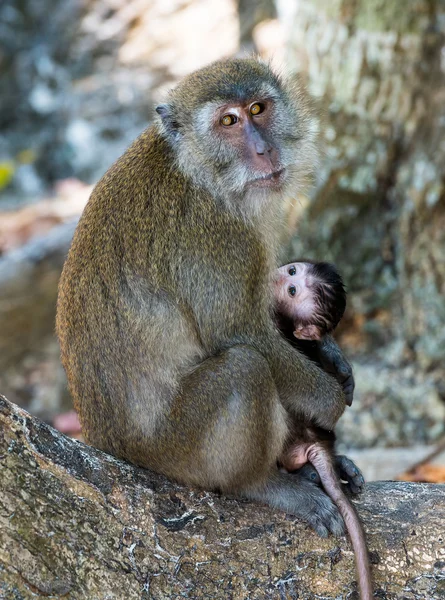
[(392, 407)]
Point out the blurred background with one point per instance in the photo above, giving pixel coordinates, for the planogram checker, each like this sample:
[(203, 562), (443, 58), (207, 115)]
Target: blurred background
[(78, 82)]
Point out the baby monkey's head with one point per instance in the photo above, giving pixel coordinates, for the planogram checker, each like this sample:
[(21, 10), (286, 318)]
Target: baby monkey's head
[(312, 296)]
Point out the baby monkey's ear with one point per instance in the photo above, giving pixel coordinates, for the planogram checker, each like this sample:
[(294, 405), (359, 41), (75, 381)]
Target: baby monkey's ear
[(308, 332)]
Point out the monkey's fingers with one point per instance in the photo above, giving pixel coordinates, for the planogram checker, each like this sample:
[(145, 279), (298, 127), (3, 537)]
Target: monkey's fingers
[(334, 362), (350, 473), (323, 516), (348, 389), (346, 379)]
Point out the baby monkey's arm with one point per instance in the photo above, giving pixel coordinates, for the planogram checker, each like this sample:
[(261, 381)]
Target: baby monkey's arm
[(334, 362)]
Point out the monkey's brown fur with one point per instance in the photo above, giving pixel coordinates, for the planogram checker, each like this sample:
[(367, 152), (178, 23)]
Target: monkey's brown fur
[(171, 354)]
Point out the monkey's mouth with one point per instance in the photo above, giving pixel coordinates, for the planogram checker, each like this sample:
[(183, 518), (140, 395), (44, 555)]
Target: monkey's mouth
[(269, 180)]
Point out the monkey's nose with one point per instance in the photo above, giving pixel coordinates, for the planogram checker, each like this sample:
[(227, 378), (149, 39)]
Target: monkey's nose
[(262, 147)]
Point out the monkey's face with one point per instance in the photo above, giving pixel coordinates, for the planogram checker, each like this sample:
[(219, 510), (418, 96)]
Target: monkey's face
[(293, 293), (296, 300), (238, 130), (247, 151)]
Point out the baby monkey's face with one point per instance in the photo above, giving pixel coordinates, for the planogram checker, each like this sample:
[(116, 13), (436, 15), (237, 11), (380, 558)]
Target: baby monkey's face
[(295, 299)]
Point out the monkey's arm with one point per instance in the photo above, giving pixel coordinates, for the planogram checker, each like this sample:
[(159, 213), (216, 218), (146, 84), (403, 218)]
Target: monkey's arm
[(305, 390), (332, 360), (303, 387)]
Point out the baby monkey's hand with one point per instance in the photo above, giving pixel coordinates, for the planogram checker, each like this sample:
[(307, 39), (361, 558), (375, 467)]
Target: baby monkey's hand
[(334, 362)]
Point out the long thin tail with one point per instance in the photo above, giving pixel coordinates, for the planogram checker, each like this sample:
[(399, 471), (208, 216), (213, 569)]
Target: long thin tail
[(321, 459)]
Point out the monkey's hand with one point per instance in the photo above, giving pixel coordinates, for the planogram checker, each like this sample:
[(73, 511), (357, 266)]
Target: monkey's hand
[(334, 362)]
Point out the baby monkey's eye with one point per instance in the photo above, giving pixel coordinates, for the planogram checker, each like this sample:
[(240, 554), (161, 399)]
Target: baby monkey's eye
[(257, 108), (228, 120), (292, 270), (292, 290)]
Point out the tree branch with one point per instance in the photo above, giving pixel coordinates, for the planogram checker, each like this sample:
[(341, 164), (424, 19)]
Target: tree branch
[(77, 523)]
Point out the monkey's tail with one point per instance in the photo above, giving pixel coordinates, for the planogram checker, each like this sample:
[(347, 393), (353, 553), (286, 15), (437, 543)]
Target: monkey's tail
[(322, 461)]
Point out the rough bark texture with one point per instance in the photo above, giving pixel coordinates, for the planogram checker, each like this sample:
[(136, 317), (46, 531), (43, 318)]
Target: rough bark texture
[(79, 524)]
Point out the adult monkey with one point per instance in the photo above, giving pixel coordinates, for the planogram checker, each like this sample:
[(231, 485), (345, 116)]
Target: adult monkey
[(171, 353)]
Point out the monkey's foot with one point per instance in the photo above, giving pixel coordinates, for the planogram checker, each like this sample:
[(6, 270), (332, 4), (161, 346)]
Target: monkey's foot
[(320, 512), (350, 474), (298, 495)]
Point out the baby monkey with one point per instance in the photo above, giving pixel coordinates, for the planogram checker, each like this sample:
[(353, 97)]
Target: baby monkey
[(312, 296), (310, 300)]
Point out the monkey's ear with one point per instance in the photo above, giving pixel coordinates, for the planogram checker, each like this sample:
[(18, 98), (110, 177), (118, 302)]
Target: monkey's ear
[(171, 126), (307, 332)]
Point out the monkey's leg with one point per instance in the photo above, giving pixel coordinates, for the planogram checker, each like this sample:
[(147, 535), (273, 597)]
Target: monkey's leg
[(226, 425), (226, 430)]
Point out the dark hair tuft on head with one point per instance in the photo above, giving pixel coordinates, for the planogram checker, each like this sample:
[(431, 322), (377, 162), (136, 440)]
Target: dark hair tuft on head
[(330, 294)]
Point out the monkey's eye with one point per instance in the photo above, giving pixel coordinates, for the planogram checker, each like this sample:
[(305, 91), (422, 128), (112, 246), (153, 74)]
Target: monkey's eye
[(228, 120), (257, 108), (292, 290), (292, 270)]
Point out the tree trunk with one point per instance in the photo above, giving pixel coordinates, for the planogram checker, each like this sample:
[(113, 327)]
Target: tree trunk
[(378, 70), (79, 524)]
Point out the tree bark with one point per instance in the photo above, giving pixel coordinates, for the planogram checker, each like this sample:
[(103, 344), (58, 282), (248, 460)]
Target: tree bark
[(378, 71), (79, 524)]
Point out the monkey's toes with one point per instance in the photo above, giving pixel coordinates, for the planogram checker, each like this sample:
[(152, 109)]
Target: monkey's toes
[(350, 473), (322, 514), (326, 519)]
